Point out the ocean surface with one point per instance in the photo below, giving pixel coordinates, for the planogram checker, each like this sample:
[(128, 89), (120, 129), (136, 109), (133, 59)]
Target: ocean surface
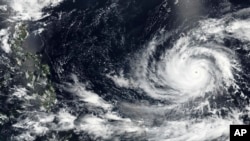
[(123, 70)]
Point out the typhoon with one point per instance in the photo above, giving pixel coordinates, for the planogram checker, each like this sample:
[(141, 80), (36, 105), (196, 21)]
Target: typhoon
[(115, 70), (190, 70), (199, 76)]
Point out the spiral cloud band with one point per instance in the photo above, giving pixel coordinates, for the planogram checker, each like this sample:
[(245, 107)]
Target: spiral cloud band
[(195, 66), (188, 71)]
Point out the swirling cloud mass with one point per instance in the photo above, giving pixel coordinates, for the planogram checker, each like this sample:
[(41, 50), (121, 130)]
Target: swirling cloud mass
[(197, 73), (191, 68)]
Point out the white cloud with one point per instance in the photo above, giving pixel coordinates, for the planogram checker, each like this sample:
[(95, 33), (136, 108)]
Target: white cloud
[(4, 38), (3, 7), (31, 9)]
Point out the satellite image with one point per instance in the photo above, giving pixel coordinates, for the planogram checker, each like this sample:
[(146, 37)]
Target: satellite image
[(123, 70)]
